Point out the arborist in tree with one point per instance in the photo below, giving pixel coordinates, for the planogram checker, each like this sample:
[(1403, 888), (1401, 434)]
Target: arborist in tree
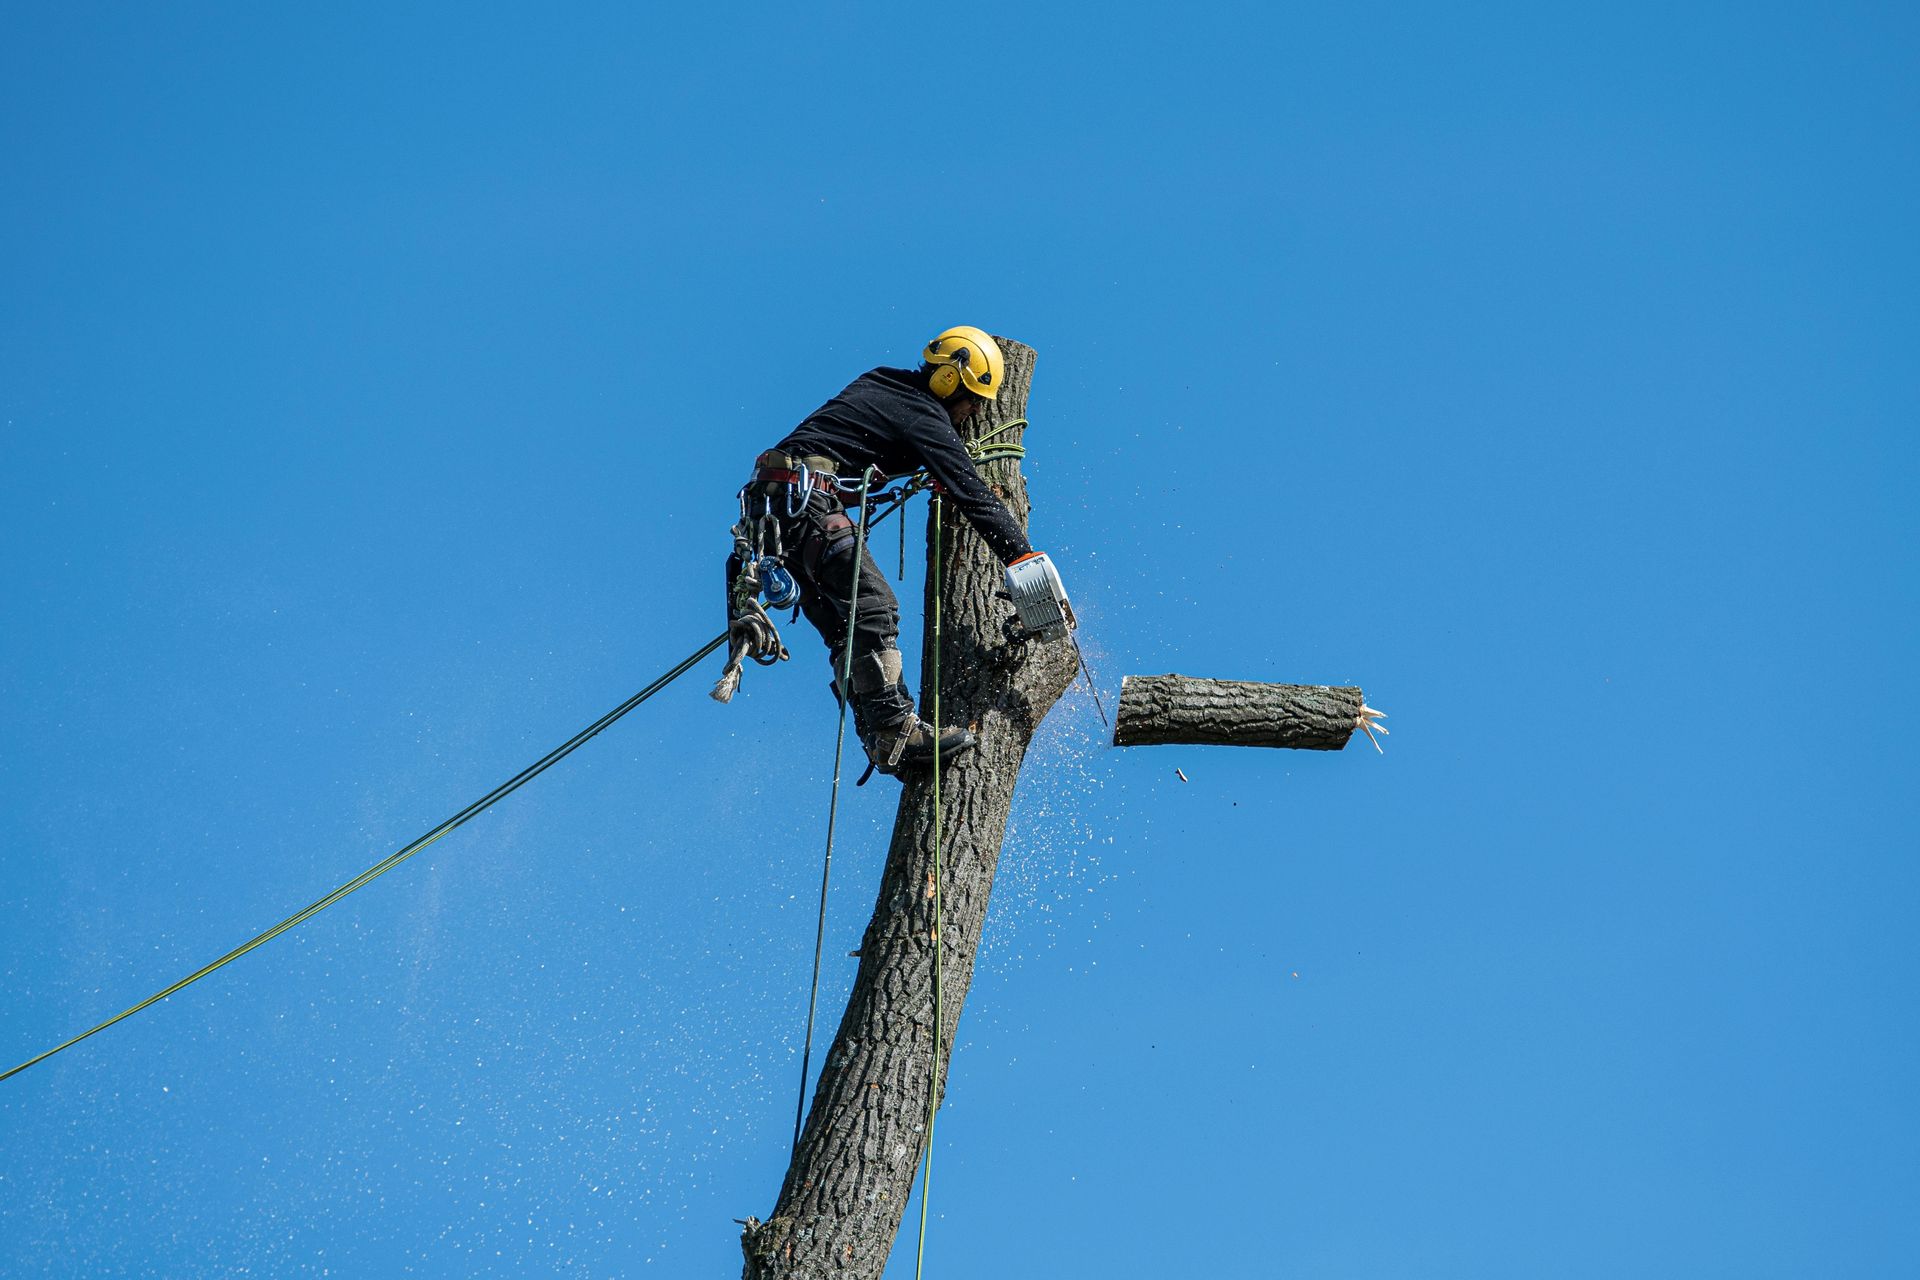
[(793, 512)]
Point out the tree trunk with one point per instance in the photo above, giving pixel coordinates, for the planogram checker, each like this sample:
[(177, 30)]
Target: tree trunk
[(1157, 710), (847, 1186)]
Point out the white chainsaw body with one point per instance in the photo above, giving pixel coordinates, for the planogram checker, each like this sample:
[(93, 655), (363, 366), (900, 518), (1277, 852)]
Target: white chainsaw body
[(1039, 597)]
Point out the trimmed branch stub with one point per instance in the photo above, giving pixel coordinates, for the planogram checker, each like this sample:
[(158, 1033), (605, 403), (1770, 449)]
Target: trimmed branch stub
[(1192, 710)]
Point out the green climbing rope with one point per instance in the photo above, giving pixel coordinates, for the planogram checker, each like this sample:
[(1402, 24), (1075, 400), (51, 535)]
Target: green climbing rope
[(833, 800), (980, 451), (935, 937), (939, 1011)]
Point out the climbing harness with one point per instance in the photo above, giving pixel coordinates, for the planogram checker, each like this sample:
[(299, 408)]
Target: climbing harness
[(759, 550), (781, 488), (406, 851)]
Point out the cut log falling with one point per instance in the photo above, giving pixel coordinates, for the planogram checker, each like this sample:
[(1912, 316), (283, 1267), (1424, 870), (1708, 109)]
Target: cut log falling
[(1191, 710)]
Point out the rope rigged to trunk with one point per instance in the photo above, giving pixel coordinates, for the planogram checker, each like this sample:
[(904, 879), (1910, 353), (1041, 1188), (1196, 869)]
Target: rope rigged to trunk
[(939, 966), (406, 851), (833, 802), (939, 1013), (981, 451)]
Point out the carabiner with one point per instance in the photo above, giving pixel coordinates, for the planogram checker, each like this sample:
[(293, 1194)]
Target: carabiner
[(804, 487), (851, 486)]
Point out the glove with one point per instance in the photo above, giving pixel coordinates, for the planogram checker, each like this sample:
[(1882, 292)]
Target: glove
[(1039, 597)]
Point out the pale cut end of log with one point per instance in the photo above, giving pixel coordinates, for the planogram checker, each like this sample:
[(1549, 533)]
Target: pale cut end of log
[(1195, 711)]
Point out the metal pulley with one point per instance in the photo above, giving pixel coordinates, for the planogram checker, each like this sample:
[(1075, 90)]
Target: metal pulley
[(777, 585)]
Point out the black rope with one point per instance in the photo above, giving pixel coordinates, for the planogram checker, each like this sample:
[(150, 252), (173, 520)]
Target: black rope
[(406, 851)]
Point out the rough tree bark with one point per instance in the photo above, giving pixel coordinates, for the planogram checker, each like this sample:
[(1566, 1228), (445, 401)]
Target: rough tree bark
[(847, 1186), (1156, 710)]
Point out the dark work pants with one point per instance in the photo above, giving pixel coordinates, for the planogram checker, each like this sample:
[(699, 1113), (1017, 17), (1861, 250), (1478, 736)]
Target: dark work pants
[(822, 562)]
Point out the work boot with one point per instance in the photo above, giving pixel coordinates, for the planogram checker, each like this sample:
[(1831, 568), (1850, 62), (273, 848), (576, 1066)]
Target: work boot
[(894, 737), (910, 743)]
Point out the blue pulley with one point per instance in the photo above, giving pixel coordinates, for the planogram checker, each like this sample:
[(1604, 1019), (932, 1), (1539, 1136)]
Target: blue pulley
[(777, 585)]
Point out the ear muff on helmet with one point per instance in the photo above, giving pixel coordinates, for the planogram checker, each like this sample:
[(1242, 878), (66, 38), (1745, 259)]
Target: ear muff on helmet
[(964, 356)]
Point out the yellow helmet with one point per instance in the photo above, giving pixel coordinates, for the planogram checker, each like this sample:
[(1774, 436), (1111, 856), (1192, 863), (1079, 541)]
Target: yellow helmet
[(965, 356)]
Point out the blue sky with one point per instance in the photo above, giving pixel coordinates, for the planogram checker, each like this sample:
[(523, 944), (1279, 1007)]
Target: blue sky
[(373, 388)]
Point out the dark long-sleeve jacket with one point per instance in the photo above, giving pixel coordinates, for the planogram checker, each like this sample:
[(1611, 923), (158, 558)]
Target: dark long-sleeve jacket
[(888, 419)]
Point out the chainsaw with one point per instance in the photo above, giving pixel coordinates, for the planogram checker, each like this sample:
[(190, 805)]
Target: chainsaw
[(1039, 597)]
